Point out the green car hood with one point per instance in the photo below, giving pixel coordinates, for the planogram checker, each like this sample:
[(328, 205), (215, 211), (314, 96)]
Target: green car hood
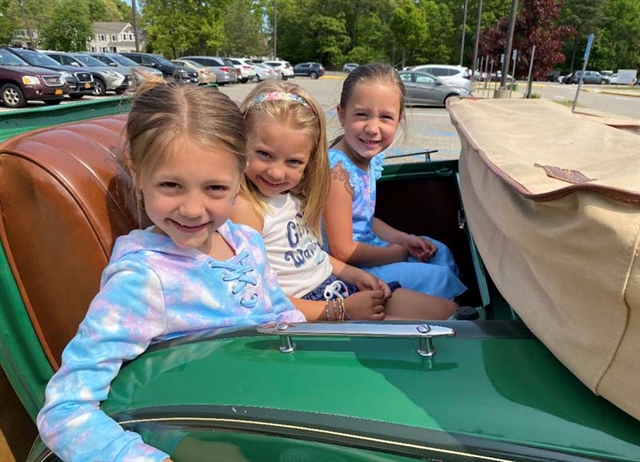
[(490, 386)]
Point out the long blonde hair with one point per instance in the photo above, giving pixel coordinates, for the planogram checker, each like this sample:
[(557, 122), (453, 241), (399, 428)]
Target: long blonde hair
[(285, 102)]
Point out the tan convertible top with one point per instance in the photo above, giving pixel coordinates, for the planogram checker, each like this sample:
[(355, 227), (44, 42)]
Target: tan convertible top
[(553, 202)]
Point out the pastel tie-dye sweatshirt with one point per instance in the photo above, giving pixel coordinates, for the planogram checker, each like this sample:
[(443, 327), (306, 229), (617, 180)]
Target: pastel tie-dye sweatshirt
[(152, 290)]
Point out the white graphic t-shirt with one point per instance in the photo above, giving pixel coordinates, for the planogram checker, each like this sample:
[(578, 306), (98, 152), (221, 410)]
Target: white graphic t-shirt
[(293, 251)]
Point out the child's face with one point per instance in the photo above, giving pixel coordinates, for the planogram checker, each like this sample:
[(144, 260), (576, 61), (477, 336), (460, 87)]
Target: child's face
[(189, 194), (277, 156), (370, 119)]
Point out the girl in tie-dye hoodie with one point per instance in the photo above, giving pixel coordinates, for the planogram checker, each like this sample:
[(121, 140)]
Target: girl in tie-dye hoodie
[(193, 270)]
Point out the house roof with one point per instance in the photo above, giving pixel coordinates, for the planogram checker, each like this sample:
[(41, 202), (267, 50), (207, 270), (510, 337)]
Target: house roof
[(109, 27)]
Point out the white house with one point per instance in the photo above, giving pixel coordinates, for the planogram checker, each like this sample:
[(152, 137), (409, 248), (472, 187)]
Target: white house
[(112, 37)]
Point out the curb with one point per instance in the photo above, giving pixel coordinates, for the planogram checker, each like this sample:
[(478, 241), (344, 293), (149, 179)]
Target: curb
[(631, 95)]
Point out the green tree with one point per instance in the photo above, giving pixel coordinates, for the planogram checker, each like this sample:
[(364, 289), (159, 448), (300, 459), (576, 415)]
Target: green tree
[(409, 28), (586, 17), (176, 27), (618, 45), (68, 32), (243, 35), (8, 22), (329, 38)]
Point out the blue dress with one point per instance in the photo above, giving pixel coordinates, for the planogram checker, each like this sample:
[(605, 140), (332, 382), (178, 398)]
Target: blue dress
[(438, 277)]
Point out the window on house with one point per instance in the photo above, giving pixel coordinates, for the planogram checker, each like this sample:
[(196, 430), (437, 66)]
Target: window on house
[(131, 37), (105, 49), (103, 38), (93, 49), (114, 37)]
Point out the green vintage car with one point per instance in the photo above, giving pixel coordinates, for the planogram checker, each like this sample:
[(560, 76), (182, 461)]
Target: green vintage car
[(485, 389)]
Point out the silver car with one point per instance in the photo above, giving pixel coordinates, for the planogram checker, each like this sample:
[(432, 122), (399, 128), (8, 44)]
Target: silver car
[(264, 72), (106, 79), (426, 89), (118, 61), (225, 71)]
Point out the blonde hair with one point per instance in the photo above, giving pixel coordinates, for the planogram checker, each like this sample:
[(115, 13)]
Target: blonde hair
[(284, 102), (162, 113), (372, 73)]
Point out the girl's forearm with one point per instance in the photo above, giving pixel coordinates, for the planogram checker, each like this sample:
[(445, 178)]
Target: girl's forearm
[(370, 255), (312, 310), (387, 232)]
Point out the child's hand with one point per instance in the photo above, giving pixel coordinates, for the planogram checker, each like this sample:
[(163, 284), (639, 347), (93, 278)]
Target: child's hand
[(420, 248), (366, 281), (366, 306)]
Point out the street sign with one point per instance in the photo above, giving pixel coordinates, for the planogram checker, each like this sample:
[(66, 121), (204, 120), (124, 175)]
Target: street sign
[(588, 49), (514, 54)]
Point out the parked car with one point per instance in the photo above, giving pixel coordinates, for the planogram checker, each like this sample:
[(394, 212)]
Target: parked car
[(349, 67), (225, 71), (285, 68), (590, 77), (311, 69), (245, 66), (118, 61), (351, 391), (168, 69), (426, 89), (455, 75), (206, 75), (606, 76), (20, 83), (552, 76), (264, 72), (106, 78), (80, 81)]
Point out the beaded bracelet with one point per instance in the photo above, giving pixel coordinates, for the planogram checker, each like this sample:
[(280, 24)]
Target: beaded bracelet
[(326, 310)]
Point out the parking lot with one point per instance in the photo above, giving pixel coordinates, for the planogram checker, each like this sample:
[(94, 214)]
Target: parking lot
[(427, 128)]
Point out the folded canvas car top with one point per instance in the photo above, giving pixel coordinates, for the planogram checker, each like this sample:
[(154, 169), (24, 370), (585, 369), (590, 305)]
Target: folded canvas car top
[(553, 203)]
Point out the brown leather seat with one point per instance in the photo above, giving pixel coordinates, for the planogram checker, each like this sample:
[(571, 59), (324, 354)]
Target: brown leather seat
[(64, 199)]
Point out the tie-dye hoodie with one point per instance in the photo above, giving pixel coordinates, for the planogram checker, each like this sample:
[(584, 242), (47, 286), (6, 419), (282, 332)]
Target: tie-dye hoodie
[(152, 290)]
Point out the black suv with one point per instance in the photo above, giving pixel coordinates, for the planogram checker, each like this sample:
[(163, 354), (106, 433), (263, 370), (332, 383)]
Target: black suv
[(80, 81), (20, 82), (168, 69), (313, 70)]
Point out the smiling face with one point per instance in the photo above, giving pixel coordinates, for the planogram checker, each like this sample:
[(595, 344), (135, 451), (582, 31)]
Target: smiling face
[(277, 156), (189, 194), (370, 120)]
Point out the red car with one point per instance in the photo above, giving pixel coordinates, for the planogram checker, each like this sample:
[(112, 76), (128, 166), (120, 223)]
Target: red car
[(20, 83)]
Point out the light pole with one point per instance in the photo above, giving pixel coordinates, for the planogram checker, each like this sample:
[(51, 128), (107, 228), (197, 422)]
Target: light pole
[(464, 30), (507, 51), (475, 47), (135, 24), (275, 29)]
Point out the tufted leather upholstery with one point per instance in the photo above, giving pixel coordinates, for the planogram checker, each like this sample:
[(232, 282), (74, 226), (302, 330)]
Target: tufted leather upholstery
[(64, 199)]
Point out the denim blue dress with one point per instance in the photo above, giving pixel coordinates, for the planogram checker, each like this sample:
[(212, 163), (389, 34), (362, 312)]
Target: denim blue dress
[(438, 277)]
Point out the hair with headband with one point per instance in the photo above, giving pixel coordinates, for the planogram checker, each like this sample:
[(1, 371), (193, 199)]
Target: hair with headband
[(287, 103)]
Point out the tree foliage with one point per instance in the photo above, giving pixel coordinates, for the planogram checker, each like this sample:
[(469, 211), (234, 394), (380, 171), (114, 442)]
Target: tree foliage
[(535, 25), (401, 32), (68, 32), (242, 30)]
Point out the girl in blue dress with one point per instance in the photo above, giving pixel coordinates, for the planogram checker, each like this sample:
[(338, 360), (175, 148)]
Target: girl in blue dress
[(371, 109)]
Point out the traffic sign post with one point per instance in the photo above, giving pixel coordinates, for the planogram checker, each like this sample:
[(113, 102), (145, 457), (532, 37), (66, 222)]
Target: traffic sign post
[(584, 68)]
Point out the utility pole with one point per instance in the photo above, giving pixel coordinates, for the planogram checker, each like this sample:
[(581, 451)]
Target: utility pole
[(135, 24), (475, 47), (507, 51), (464, 30), (275, 29)]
